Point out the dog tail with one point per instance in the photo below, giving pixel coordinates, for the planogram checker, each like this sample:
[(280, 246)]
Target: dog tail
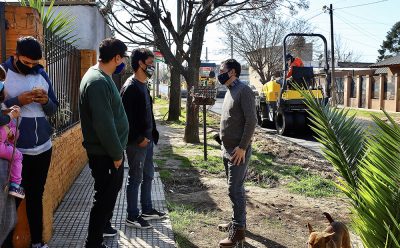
[(329, 217)]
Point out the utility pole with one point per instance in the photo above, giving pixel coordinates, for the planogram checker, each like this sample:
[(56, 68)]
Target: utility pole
[(231, 47), (206, 54), (333, 83)]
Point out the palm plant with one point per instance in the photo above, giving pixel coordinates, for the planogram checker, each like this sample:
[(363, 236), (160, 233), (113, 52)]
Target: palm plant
[(369, 168), (62, 24)]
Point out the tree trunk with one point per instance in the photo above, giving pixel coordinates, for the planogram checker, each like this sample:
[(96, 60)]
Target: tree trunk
[(174, 111), (192, 114)]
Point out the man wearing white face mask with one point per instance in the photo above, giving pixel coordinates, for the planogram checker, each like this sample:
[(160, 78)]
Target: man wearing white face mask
[(142, 135)]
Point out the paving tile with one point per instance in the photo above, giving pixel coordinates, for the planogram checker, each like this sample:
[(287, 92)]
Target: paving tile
[(72, 217)]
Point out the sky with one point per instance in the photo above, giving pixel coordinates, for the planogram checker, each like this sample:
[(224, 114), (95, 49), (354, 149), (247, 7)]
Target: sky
[(362, 28)]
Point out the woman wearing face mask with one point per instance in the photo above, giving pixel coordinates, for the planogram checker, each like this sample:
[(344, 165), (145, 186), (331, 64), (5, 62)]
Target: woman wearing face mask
[(142, 135), (28, 86)]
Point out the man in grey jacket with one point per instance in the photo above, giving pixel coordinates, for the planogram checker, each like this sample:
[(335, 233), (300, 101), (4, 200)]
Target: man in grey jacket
[(238, 122)]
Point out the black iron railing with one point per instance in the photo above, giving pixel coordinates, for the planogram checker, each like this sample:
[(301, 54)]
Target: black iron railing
[(63, 66)]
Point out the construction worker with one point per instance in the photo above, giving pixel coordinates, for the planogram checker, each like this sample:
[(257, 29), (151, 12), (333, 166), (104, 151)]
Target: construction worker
[(292, 61)]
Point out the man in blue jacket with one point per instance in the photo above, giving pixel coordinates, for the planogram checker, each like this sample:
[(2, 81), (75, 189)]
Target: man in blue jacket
[(28, 86)]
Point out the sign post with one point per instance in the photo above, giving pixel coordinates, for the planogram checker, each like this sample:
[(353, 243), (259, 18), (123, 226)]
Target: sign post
[(204, 95)]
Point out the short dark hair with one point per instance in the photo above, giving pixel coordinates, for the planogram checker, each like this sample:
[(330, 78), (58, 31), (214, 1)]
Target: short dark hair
[(111, 47), (29, 47), (140, 54), (233, 64)]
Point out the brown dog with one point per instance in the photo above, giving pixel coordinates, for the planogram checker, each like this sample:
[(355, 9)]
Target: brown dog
[(335, 235)]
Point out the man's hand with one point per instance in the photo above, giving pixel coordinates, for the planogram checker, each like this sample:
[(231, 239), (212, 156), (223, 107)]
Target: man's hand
[(41, 97), (238, 156), (118, 163), (26, 98), (144, 143)]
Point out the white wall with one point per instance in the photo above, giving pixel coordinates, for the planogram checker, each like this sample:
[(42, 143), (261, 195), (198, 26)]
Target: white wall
[(91, 28)]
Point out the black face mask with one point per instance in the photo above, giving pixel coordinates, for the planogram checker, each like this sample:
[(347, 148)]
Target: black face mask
[(223, 78), (24, 69)]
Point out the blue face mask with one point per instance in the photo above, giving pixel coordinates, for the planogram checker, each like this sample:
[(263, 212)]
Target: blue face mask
[(119, 68)]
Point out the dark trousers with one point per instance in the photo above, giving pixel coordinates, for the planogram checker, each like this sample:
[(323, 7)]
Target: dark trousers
[(107, 183), (236, 175), (34, 175)]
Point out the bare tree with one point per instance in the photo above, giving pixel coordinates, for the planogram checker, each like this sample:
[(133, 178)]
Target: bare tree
[(150, 23), (258, 40), (343, 53)]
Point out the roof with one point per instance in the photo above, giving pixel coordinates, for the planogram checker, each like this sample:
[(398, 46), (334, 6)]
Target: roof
[(354, 64), (382, 70), (395, 60)]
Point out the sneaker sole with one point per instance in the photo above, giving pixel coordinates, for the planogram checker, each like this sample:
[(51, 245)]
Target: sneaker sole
[(153, 217), (16, 195), (137, 226), (109, 235)]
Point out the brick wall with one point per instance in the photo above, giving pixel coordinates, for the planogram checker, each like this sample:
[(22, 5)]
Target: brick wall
[(88, 58), (68, 159), (21, 21)]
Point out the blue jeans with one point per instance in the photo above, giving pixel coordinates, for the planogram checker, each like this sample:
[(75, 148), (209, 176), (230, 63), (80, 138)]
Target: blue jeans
[(141, 174), (236, 174)]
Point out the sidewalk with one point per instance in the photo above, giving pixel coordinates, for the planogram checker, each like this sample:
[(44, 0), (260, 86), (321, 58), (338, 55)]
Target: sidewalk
[(72, 217)]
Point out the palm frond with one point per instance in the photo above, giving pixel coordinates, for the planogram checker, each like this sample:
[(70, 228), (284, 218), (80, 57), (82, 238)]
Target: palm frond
[(60, 23), (369, 166)]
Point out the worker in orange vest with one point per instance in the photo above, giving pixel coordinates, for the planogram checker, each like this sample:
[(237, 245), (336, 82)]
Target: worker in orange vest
[(292, 61)]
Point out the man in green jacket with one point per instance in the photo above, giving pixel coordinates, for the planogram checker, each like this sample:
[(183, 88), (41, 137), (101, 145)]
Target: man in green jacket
[(105, 135)]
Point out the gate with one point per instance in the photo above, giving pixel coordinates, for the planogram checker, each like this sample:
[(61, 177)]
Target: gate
[(363, 89), (339, 90), (63, 64)]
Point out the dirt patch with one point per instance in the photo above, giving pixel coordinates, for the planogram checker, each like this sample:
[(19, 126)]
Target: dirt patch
[(275, 217)]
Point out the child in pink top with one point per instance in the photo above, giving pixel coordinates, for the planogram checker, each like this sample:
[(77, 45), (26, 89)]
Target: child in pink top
[(8, 136)]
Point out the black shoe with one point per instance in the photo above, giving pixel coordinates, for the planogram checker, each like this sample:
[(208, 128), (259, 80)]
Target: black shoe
[(96, 246), (154, 215), (109, 232), (138, 222)]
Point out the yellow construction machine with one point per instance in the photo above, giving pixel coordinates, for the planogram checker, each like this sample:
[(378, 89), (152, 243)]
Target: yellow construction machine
[(280, 105)]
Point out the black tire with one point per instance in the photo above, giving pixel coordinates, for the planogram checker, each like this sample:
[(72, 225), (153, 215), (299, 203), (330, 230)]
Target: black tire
[(268, 124), (259, 118), (300, 122), (283, 122)]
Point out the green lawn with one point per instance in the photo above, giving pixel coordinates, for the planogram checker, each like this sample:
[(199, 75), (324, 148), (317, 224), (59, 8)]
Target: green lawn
[(366, 114)]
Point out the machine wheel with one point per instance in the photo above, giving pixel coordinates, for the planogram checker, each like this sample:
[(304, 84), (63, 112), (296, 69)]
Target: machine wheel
[(283, 122), (300, 122), (259, 118), (263, 120)]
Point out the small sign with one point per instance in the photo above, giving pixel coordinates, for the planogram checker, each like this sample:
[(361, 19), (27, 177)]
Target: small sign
[(204, 95)]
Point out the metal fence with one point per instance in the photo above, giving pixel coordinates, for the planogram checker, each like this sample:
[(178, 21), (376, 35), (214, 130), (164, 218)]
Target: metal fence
[(63, 66), (3, 31)]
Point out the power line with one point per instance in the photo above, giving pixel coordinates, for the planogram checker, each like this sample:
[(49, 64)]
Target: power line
[(314, 16), (359, 5), (357, 28), (361, 17)]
